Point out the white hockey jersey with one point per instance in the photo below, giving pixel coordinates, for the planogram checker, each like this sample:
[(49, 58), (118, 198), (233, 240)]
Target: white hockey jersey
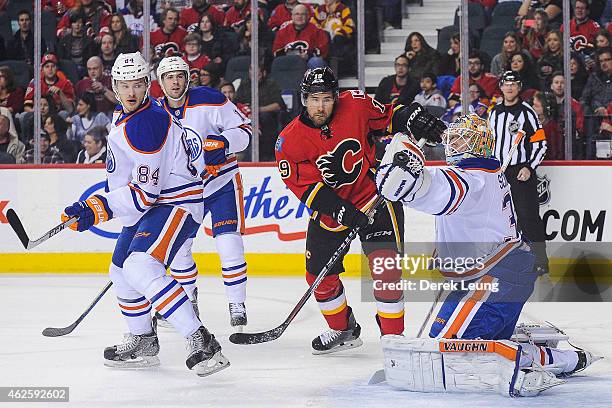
[(148, 164), (208, 112), (475, 217)]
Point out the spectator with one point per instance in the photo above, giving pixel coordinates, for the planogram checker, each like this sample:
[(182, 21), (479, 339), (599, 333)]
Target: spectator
[(429, 95), (244, 39), (455, 109), (22, 45), (227, 88), (510, 45), (399, 88), (134, 19), (487, 81), (53, 82), (236, 16), (107, 53), (167, 39), (534, 32), (210, 75), (579, 75), (11, 96), (55, 127), (75, 45), (551, 59), (603, 39), (546, 112), (47, 107), (99, 85), (125, 41), (449, 63), (281, 15), (94, 146), (552, 8), (191, 16), (87, 117), (6, 112), (520, 63), (581, 26), (421, 56), (597, 93), (335, 18), (270, 105), (557, 87), (193, 52), (302, 38), (48, 154), (9, 142), (214, 42), (96, 14)]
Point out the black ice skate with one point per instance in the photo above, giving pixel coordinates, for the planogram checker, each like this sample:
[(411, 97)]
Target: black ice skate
[(136, 351), (204, 353), (585, 359), (238, 316), (162, 322), (332, 340)]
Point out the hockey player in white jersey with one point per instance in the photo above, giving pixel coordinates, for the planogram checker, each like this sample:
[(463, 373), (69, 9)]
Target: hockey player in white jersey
[(215, 130), (475, 220), (155, 190)]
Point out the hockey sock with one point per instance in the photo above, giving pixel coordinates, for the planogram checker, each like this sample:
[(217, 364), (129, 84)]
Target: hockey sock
[(233, 266), (135, 308), (547, 355), (389, 302), (184, 269), (166, 295), (331, 300)]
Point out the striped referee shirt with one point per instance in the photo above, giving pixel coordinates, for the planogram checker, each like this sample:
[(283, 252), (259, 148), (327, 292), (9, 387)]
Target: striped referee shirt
[(505, 122)]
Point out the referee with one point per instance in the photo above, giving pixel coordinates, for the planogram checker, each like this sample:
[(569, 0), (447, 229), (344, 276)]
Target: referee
[(506, 118)]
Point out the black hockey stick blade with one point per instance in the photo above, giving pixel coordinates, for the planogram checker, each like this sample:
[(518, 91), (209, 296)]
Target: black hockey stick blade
[(256, 338), (62, 331), (17, 226)]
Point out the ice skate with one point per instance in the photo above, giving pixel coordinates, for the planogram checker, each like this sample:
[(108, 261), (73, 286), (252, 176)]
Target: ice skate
[(204, 353), (136, 351), (585, 359), (332, 340), (238, 316), (162, 322)]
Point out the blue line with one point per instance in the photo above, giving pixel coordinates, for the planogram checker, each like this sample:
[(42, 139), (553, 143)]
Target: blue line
[(140, 299), (191, 268), (549, 355), (188, 283), (138, 207), (173, 189), (222, 172), (136, 314), (163, 291), (236, 282), (153, 196), (233, 268), (176, 306), (195, 200), (452, 198)]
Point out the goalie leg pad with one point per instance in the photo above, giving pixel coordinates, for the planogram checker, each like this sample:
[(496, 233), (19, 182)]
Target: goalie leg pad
[(442, 365)]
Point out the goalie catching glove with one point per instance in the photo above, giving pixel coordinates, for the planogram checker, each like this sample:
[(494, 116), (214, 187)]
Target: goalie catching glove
[(90, 212), (422, 124)]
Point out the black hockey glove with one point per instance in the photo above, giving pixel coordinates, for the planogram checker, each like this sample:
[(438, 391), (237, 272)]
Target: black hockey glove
[(348, 215), (422, 124)]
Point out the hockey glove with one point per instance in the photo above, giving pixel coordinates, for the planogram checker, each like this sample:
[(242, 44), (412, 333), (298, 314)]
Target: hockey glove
[(422, 124), (214, 153), (90, 212), (400, 169), (350, 216)]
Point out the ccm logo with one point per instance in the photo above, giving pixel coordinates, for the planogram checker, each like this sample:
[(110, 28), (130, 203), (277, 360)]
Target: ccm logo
[(3, 205)]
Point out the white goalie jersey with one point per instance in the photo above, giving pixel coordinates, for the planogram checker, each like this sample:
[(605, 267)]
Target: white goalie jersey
[(148, 164), (475, 218), (207, 111)]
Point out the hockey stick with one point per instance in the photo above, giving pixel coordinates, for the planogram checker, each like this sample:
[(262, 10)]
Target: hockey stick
[(62, 331), (515, 143), (273, 334), (17, 226)]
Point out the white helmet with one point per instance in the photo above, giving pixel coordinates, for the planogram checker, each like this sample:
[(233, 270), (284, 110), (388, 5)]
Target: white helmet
[(171, 64), (128, 67)]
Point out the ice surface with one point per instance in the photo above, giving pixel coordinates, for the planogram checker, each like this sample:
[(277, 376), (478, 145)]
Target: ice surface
[(282, 373)]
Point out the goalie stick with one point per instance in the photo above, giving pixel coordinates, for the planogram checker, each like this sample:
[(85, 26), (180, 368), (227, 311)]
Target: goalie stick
[(62, 331), (275, 333), (28, 244)]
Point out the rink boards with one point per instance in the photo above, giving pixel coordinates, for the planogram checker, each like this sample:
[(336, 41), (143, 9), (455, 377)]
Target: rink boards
[(575, 199)]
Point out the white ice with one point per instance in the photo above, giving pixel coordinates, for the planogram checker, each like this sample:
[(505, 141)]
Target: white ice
[(282, 373)]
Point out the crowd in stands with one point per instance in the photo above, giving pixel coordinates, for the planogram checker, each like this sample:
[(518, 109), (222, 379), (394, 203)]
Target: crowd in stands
[(82, 38)]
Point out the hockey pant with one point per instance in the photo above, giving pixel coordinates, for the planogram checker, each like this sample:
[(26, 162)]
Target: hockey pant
[(138, 270), (490, 314), (381, 239), (226, 208)]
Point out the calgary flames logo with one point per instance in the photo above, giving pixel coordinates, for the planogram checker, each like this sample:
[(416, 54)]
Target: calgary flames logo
[(341, 166)]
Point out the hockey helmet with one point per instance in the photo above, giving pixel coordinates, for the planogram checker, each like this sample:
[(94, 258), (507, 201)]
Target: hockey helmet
[(171, 64), (318, 80), (510, 76), (468, 136), (128, 67)]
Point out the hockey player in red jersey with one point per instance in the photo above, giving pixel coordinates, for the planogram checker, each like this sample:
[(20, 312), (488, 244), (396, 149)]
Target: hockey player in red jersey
[(327, 157)]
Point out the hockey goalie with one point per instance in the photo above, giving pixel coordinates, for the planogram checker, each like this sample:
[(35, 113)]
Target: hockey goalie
[(469, 348)]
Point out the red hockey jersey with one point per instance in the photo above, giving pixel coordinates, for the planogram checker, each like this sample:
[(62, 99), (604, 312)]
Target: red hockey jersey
[(167, 45), (190, 16), (311, 39), (582, 33), (342, 159)]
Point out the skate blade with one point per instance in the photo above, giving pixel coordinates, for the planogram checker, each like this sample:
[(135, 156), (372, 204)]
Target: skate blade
[(239, 328), (377, 377), (216, 363), (135, 364), (344, 346), (164, 323)]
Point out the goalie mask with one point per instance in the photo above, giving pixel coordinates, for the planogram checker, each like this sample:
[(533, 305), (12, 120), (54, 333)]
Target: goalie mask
[(468, 136)]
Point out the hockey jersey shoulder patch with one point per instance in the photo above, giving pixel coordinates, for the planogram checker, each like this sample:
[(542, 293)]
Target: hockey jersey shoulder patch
[(203, 95), (147, 132)]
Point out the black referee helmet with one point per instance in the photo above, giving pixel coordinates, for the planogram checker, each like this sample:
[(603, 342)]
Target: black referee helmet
[(510, 76)]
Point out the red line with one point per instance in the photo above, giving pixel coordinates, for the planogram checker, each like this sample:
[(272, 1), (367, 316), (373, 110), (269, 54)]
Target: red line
[(291, 236)]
